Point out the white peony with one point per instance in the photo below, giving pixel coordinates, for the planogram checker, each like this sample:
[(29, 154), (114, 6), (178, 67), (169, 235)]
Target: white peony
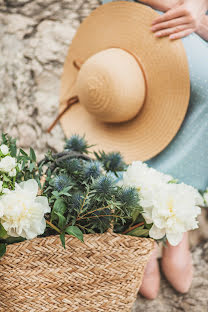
[(7, 164), (4, 149), (140, 175), (172, 208), (22, 211), (173, 213)]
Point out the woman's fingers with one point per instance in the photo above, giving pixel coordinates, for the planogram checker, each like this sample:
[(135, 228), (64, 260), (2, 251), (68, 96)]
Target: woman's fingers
[(181, 34), (172, 23), (171, 14), (174, 30)]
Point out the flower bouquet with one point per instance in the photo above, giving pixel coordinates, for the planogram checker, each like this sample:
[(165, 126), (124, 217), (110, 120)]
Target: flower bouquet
[(76, 230)]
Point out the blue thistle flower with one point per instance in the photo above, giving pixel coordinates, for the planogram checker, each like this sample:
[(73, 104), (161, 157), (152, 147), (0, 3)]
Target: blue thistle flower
[(61, 181), (128, 196), (104, 185), (112, 161), (76, 202), (92, 170), (77, 144), (72, 166)]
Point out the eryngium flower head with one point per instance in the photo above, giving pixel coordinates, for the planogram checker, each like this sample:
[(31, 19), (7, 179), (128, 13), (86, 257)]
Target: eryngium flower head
[(61, 181), (91, 170), (104, 186), (77, 144), (128, 196)]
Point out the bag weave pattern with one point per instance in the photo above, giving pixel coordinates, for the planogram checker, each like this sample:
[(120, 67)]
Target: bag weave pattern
[(103, 274)]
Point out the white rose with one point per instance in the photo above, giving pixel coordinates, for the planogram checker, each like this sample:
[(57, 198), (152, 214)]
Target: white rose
[(4, 149), (13, 173), (7, 164), (23, 211)]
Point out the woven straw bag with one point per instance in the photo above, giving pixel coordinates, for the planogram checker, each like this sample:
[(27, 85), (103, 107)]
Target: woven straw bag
[(102, 274)]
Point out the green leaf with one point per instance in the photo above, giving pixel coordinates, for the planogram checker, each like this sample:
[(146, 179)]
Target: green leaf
[(62, 220), (13, 150), (31, 167), (135, 214), (6, 179), (23, 153), (75, 231), (3, 232), (2, 249), (62, 238), (32, 155), (139, 232), (59, 206)]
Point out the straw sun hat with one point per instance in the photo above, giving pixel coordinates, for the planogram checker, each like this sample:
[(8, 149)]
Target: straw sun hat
[(131, 89)]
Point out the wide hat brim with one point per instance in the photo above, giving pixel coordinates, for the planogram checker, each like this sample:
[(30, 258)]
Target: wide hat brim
[(127, 25)]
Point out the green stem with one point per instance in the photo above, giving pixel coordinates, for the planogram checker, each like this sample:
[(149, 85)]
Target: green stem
[(53, 226), (89, 212)]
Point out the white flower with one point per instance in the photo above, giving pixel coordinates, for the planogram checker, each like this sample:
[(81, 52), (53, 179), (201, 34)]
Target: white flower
[(172, 208), (140, 175), (4, 149), (5, 190), (7, 164), (174, 212), (22, 211), (13, 172), (206, 197)]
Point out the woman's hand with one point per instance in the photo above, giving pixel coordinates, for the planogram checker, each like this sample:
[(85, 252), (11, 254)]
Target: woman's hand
[(181, 20)]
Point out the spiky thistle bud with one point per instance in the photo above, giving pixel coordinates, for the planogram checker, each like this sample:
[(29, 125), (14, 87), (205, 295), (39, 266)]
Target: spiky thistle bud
[(128, 196), (104, 186), (91, 170), (77, 144), (61, 181), (72, 166), (76, 202), (112, 161)]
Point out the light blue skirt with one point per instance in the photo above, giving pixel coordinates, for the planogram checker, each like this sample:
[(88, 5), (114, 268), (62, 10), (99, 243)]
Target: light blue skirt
[(186, 157)]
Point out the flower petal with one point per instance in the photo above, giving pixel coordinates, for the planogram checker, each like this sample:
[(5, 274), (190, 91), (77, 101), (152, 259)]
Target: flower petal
[(174, 238), (30, 186), (156, 233)]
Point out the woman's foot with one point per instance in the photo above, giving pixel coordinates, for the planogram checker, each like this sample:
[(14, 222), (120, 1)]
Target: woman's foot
[(177, 265), (151, 280)]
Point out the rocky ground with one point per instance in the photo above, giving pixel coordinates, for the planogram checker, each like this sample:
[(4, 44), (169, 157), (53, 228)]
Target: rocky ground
[(34, 39)]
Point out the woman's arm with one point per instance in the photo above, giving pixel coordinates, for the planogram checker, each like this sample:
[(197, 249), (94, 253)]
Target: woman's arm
[(202, 30), (161, 5)]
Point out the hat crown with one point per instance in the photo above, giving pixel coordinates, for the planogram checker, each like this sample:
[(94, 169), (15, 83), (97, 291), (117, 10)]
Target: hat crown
[(111, 85)]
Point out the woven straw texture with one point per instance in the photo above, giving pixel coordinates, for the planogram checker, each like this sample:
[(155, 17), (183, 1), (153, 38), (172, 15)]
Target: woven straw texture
[(126, 25), (102, 274)]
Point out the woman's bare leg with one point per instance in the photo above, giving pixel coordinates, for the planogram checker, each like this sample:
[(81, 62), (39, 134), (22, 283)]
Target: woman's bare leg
[(177, 265), (151, 280)]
